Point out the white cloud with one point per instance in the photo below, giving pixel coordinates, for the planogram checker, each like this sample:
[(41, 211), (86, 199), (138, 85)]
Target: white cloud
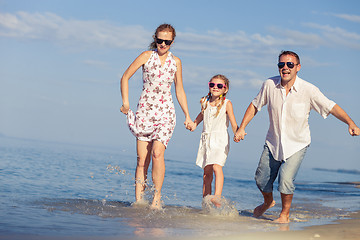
[(286, 37), (336, 36), (238, 48), (348, 17), (48, 26), (80, 33)]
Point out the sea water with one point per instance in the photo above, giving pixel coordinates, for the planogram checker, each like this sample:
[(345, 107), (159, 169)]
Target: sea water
[(53, 189)]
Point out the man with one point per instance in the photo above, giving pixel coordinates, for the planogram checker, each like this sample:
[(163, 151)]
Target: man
[(289, 100)]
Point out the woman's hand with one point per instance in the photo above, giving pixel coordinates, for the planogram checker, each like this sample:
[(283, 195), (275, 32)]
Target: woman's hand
[(125, 109), (189, 124)]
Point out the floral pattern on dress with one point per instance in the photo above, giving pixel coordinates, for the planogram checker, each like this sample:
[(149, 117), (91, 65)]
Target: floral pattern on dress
[(155, 117)]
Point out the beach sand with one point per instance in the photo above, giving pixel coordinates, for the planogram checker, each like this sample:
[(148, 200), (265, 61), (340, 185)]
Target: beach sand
[(347, 229)]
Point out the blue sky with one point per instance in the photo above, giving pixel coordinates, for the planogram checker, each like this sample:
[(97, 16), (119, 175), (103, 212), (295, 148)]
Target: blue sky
[(61, 62)]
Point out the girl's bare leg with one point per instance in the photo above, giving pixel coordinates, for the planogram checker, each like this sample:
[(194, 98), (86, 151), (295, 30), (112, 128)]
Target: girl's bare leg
[(219, 183), (207, 179), (143, 161), (158, 172), (219, 179)]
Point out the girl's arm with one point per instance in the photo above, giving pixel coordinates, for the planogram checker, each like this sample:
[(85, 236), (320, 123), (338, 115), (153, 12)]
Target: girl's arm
[(230, 113), (124, 83), (180, 93), (197, 121)]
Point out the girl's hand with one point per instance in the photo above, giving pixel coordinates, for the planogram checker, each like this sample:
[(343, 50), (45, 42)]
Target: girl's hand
[(239, 135), (125, 109)]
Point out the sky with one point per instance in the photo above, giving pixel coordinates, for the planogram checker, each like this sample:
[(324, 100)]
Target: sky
[(61, 62)]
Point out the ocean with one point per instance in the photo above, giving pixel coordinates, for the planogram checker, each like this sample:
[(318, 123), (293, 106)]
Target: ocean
[(53, 189)]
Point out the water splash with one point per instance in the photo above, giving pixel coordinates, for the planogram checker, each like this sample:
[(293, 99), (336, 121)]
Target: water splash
[(219, 206), (116, 170)]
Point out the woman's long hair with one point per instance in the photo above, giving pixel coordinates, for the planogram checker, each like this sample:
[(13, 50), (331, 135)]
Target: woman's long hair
[(163, 27)]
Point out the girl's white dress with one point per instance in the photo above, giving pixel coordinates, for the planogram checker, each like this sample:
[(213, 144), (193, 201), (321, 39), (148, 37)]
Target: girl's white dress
[(214, 143)]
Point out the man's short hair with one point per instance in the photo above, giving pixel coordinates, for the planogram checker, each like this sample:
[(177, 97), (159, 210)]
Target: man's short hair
[(290, 53)]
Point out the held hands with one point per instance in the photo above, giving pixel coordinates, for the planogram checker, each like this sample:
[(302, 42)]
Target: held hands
[(239, 135), (189, 124)]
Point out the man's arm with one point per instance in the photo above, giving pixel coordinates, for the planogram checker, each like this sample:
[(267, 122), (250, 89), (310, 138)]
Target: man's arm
[(248, 116), (340, 114)]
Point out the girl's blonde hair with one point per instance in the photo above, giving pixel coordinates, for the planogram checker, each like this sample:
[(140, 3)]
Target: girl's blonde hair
[(204, 100), (162, 28)]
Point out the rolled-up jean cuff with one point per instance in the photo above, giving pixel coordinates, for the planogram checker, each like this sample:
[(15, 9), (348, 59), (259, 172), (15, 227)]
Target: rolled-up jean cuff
[(269, 168), (289, 170)]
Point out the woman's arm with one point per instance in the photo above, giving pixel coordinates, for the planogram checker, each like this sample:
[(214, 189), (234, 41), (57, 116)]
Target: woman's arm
[(180, 93), (124, 83)]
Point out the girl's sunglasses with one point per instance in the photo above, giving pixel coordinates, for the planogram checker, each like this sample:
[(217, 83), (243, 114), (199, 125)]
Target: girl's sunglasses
[(160, 41), (219, 85), (289, 64)]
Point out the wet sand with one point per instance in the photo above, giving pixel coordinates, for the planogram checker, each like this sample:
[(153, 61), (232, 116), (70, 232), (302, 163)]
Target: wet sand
[(347, 229)]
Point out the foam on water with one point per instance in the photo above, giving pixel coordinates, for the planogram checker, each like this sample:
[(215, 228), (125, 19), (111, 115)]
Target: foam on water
[(223, 206), (171, 220)]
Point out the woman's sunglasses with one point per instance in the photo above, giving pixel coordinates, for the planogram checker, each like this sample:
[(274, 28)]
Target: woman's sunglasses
[(289, 64), (219, 85), (160, 41)]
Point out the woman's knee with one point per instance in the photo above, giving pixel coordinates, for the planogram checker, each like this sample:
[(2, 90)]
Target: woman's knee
[(158, 150), (141, 162), (157, 154)]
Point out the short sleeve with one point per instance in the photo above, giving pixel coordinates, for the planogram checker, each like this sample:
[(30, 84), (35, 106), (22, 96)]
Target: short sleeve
[(261, 99), (320, 103)]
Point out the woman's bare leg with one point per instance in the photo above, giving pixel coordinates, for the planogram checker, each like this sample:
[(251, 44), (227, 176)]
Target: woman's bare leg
[(143, 161), (158, 171)]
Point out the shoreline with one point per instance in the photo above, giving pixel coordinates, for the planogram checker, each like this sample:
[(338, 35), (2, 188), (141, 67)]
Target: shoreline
[(346, 229)]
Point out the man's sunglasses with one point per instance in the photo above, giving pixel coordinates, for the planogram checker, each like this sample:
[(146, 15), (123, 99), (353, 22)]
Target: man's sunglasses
[(219, 85), (289, 64), (160, 41)]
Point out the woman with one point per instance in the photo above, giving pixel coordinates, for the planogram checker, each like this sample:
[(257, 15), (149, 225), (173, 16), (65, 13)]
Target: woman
[(155, 119)]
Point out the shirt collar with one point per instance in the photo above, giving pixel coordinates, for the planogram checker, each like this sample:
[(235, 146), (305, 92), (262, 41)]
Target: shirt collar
[(295, 86)]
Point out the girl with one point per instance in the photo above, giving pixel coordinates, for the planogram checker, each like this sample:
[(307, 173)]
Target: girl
[(154, 121), (216, 112)]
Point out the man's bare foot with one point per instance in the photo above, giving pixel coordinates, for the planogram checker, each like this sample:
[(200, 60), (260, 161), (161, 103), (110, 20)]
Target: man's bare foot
[(282, 219), (216, 201), (259, 210)]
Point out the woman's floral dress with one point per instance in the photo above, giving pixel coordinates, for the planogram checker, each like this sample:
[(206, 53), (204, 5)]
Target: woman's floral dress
[(155, 117)]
